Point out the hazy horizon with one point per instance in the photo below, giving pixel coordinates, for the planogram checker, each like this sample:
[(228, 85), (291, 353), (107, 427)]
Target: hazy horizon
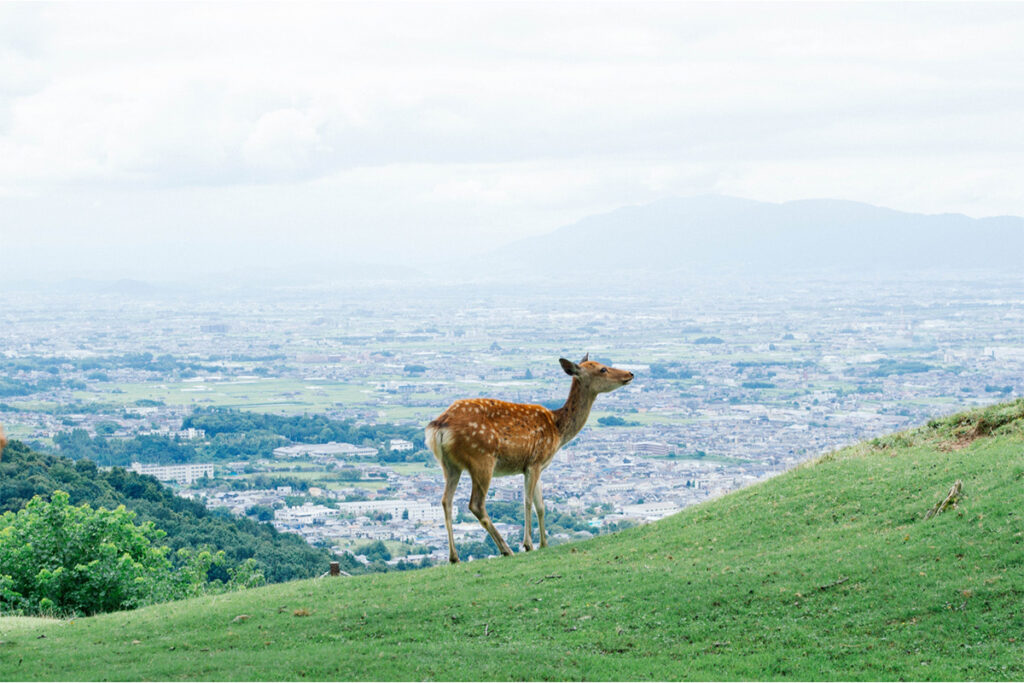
[(167, 141)]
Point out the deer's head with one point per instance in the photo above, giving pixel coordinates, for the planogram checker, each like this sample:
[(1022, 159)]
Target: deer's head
[(594, 376)]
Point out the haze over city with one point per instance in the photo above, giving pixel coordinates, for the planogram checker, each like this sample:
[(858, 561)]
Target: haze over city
[(166, 141)]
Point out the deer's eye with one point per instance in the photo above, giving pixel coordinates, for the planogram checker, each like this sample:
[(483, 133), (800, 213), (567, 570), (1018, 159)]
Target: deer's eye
[(604, 369)]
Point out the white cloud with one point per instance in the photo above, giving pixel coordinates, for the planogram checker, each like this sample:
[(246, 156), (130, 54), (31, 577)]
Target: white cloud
[(412, 124), (283, 140)]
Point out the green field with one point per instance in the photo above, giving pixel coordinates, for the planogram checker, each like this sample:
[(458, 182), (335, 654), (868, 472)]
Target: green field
[(276, 395), (827, 572), (406, 469)]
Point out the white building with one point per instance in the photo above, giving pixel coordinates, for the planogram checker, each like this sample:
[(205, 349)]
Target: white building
[(419, 511), (307, 513), (652, 448), (182, 474), (650, 511), (400, 445), (332, 449)]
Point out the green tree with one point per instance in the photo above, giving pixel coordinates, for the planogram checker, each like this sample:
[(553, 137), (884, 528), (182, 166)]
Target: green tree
[(58, 557), (261, 512), (106, 427), (374, 552)]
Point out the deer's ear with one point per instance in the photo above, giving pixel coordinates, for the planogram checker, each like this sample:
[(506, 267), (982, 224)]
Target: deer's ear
[(570, 368)]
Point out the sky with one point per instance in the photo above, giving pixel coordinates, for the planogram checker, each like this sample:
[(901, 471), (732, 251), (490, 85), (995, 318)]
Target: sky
[(167, 140)]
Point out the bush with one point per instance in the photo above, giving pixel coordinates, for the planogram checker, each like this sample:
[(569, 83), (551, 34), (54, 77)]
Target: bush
[(58, 558)]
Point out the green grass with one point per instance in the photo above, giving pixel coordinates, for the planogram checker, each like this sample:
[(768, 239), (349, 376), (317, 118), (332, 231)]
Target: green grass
[(17, 625), (827, 572)]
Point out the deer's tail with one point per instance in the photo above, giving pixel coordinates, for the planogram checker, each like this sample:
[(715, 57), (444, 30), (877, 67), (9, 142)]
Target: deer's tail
[(433, 435)]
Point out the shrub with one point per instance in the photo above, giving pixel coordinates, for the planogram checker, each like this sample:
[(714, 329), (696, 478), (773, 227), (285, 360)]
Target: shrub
[(55, 557)]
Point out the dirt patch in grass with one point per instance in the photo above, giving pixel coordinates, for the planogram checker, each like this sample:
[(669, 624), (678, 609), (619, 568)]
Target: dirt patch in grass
[(959, 431)]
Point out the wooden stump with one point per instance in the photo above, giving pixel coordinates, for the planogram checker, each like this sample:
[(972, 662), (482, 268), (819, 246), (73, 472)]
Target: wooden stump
[(948, 502)]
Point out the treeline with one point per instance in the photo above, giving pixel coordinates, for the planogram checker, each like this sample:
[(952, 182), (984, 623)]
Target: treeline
[(670, 371), (69, 408), (77, 444), (189, 525), (616, 421), (888, 366), (16, 387), (234, 435), (298, 428), (136, 361)]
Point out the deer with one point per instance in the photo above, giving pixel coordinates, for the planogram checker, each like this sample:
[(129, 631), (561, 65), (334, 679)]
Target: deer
[(489, 438)]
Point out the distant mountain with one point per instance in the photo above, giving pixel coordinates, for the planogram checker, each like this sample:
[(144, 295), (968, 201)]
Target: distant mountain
[(717, 232), (131, 288)]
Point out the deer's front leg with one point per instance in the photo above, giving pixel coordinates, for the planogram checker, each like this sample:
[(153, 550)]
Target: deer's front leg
[(538, 505), (528, 483)]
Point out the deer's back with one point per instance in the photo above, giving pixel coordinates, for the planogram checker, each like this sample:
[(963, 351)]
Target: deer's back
[(518, 435)]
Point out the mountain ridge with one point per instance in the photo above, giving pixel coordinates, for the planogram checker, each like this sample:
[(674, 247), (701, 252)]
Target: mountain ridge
[(716, 232)]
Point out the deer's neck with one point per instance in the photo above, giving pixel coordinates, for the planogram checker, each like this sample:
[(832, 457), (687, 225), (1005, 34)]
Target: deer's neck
[(570, 418)]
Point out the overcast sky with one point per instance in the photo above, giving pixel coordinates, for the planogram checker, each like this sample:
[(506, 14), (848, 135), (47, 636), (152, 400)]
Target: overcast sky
[(162, 140)]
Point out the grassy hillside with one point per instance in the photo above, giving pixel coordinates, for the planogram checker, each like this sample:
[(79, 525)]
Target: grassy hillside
[(827, 572)]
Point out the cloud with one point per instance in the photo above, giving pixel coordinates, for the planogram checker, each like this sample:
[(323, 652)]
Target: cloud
[(404, 126), (283, 140)]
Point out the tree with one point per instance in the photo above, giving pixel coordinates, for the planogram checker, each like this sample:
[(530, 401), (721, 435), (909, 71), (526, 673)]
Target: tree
[(106, 427), (58, 557), (261, 513), (375, 551)]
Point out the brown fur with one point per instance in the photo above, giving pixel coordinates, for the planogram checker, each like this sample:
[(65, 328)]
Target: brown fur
[(488, 438), (3, 441)]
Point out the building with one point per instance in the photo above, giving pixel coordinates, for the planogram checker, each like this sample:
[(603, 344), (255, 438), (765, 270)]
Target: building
[(322, 450), (182, 474), (652, 448), (400, 445), (307, 513), (650, 511), (419, 511)]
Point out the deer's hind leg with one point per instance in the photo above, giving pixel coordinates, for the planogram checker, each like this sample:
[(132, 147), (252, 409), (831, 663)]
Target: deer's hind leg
[(478, 506), (451, 482)]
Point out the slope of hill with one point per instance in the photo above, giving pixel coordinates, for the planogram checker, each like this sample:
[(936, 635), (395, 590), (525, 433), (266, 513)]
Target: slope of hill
[(830, 571), (727, 233)]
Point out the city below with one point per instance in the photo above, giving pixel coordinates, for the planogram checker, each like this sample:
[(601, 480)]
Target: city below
[(735, 382)]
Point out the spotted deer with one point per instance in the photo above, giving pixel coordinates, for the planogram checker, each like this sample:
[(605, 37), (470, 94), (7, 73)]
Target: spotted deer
[(491, 438)]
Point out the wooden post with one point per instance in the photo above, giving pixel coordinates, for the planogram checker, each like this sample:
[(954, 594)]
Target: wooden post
[(335, 569), (950, 501)]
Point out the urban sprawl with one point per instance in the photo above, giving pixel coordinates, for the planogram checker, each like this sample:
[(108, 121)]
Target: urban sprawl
[(735, 383)]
